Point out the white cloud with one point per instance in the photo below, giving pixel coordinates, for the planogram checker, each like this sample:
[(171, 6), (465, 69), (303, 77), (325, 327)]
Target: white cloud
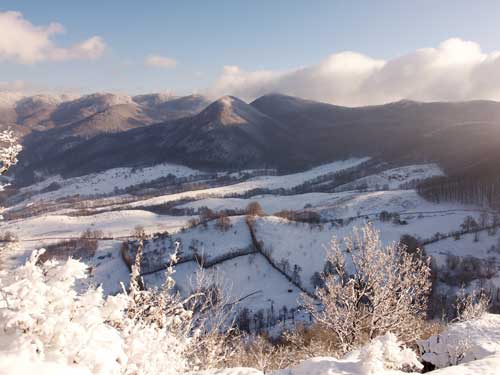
[(454, 70), (158, 61), (25, 43)]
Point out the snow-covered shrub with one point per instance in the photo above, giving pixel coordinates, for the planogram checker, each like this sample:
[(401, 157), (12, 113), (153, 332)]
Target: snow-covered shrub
[(383, 355), (9, 149), (385, 352), (471, 305), (44, 320), (371, 290), (463, 342)]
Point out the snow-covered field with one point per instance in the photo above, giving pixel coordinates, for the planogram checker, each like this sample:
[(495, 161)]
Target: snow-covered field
[(106, 182), (300, 245), (108, 268), (297, 249), (113, 224), (248, 278), (292, 251), (394, 178), (262, 182), (270, 203)]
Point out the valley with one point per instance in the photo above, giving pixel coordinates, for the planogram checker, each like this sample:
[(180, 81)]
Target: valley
[(250, 198), (269, 262)]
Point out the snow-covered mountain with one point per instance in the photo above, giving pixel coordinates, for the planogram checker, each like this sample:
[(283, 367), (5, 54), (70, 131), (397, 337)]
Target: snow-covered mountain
[(95, 132), (229, 133), (44, 111)]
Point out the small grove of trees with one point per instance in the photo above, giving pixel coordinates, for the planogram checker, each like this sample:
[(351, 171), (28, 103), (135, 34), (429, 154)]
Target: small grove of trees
[(482, 188), (301, 216), (369, 290), (223, 223), (254, 209), (84, 247)]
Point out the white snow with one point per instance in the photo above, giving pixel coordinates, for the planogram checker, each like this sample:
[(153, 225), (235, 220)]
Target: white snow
[(249, 274), (270, 203), (261, 182), (113, 224), (383, 356), (106, 182), (394, 178), (473, 339)]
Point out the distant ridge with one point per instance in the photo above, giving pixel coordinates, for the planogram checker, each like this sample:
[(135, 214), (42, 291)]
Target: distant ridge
[(275, 130)]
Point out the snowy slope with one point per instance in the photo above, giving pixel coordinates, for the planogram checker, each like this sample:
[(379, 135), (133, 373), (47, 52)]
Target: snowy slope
[(106, 182), (304, 245), (483, 248), (394, 178), (242, 276), (108, 268), (478, 338), (350, 204), (211, 242), (208, 243), (261, 182), (114, 224), (383, 356), (270, 203)]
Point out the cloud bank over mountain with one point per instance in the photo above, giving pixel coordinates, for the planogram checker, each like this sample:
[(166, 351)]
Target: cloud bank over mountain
[(455, 70)]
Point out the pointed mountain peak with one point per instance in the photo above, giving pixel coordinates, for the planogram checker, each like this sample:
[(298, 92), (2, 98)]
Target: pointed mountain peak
[(229, 110)]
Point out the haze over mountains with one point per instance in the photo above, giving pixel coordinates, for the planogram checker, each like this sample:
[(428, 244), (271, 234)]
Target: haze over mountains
[(75, 136)]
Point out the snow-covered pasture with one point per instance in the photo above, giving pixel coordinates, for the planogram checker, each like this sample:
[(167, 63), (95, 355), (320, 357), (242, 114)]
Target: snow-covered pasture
[(270, 203), (108, 268), (120, 178), (262, 182), (394, 178), (344, 205), (105, 182), (112, 224), (304, 245), (253, 279), (249, 278), (297, 244)]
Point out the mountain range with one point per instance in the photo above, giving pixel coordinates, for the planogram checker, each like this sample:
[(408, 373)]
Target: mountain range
[(76, 136)]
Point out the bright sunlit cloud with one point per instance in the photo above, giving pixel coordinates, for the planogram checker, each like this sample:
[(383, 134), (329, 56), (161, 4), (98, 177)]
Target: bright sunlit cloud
[(454, 70), (157, 61), (24, 43)]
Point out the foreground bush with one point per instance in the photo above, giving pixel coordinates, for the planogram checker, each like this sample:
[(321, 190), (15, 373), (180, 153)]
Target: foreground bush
[(368, 290), (43, 321)]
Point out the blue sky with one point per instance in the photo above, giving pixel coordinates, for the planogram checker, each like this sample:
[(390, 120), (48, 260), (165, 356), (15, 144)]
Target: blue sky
[(204, 36)]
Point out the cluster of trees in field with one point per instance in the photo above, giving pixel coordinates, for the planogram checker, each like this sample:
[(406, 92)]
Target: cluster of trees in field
[(467, 189), (368, 290)]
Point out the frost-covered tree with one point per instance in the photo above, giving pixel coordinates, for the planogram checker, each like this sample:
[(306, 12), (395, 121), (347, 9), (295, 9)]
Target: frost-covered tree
[(9, 149), (371, 290), (472, 305), (44, 321)]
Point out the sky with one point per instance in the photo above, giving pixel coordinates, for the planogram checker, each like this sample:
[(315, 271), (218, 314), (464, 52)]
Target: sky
[(343, 52)]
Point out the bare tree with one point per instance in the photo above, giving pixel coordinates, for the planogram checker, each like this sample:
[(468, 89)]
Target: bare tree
[(213, 339), (139, 232), (471, 305), (254, 209), (223, 223), (9, 149), (371, 290)]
